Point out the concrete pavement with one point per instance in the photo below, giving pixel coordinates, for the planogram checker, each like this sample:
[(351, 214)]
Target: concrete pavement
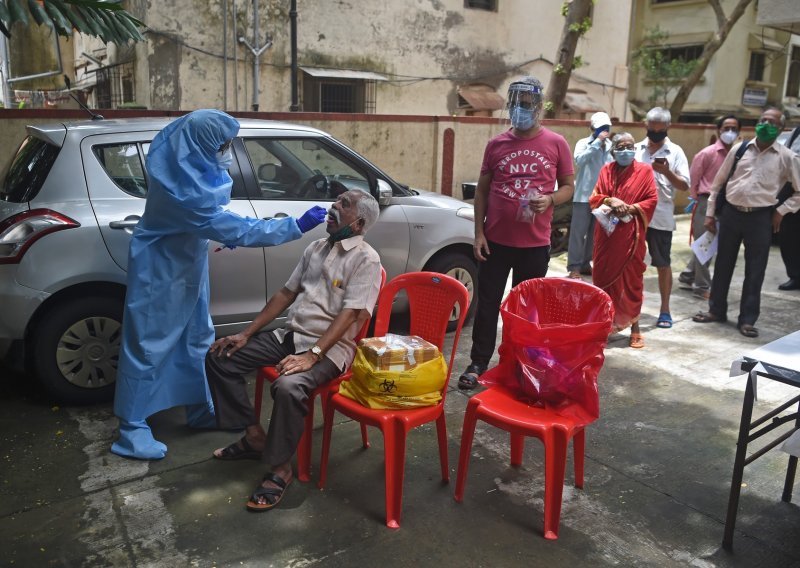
[(658, 469)]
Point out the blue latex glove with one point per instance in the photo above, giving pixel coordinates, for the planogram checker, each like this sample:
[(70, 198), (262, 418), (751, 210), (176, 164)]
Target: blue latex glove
[(312, 218), (690, 207)]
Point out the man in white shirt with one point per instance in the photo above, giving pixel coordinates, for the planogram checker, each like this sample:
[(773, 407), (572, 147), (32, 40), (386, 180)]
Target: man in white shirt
[(331, 291), (750, 216), (671, 169)]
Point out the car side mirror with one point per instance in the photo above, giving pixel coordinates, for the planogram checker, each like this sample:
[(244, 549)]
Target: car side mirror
[(384, 193)]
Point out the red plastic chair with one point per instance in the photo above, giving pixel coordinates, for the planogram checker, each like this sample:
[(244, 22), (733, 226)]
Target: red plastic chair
[(501, 407), (431, 298), (325, 392)]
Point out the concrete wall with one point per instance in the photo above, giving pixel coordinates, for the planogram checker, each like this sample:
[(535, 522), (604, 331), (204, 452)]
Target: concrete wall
[(410, 149), (426, 48)]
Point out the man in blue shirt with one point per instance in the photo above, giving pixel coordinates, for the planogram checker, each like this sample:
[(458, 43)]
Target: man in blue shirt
[(591, 154)]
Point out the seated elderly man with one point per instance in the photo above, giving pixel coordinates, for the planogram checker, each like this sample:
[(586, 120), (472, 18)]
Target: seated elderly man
[(331, 292)]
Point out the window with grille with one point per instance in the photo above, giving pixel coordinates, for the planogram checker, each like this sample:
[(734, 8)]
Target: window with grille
[(793, 81), (338, 95), (116, 85), (684, 52), (757, 65), (488, 5)]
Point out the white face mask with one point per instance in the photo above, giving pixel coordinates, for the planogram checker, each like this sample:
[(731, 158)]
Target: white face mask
[(729, 137), (225, 159)]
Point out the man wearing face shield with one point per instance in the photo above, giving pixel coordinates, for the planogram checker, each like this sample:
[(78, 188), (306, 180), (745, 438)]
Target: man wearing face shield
[(672, 174), (331, 292), (514, 201), (749, 216), (166, 328), (705, 166)]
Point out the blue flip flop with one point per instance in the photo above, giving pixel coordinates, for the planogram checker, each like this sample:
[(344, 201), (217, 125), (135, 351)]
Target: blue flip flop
[(664, 320)]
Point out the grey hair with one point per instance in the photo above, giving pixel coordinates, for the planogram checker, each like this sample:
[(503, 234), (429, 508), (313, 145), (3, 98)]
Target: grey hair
[(658, 114), (618, 136), (368, 210), (783, 115)]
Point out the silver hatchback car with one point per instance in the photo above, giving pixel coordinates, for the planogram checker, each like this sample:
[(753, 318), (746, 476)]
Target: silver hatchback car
[(74, 192)]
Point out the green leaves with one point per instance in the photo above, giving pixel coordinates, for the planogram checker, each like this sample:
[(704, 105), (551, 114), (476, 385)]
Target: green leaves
[(105, 19)]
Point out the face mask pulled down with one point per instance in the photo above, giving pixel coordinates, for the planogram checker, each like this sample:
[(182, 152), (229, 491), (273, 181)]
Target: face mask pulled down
[(343, 233)]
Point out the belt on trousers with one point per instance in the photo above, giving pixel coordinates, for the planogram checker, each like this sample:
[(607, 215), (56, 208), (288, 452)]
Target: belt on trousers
[(748, 209)]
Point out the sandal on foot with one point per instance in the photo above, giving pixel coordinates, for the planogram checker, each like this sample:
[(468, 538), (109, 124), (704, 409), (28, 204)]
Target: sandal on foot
[(469, 378), (636, 341), (239, 450), (748, 330), (664, 320), (271, 495), (707, 317)]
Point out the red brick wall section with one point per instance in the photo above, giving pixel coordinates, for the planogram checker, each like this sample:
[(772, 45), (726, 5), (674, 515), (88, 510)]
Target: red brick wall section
[(448, 152)]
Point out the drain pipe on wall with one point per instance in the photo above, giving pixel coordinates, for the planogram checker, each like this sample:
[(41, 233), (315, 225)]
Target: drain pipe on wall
[(225, 55), (256, 55), (293, 31)]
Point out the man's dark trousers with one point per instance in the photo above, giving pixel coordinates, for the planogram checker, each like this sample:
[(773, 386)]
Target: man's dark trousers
[(755, 230), (527, 263)]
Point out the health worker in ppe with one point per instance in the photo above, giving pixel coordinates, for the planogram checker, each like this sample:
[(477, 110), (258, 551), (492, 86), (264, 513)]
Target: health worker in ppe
[(166, 328)]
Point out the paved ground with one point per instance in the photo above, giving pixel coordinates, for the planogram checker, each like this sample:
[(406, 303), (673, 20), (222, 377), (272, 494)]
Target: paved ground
[(658, 473)]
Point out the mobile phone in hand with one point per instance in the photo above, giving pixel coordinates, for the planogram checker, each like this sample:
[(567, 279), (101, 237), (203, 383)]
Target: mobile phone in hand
[(660, 160)]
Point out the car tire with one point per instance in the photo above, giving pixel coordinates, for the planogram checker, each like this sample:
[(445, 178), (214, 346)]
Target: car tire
[(76, 349), (463, 268)]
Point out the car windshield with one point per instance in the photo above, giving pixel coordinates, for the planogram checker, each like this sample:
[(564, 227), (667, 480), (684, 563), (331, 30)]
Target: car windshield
[(28, 170)]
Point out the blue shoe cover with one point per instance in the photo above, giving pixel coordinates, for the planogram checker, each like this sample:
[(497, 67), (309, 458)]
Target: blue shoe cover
[(136, 441), (201, 416)]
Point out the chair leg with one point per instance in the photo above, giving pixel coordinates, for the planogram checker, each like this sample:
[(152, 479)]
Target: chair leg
[(555, 463), (517, 445), (327, 430), (467, 434), (364, 437), (441, 431), (394, 444), (578, 449), (259, 395)]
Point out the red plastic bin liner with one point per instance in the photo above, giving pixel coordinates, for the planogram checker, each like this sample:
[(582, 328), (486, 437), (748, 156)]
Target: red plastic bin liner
[(554, 334)]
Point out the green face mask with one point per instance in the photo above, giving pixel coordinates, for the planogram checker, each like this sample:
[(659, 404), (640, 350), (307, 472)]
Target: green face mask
[(766, 132), (344, 233)]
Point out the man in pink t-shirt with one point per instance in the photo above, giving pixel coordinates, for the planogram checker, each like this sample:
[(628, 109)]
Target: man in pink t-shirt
[(514, 204)]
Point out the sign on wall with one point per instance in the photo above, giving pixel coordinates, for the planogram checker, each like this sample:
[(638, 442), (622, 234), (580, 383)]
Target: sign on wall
[(754, 97)]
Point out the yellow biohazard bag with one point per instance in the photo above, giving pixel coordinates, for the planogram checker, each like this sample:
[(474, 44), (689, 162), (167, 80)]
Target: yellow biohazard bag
[(402, 385)]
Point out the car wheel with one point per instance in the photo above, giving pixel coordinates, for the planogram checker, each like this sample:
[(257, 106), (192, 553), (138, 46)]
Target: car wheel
[(76, 349), (463, 268)]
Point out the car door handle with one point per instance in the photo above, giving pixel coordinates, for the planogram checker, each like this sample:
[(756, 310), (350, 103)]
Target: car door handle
[(128, 223), (277, 216)]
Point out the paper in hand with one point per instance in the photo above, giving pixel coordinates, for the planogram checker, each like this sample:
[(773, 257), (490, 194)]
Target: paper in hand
[(705, 246)]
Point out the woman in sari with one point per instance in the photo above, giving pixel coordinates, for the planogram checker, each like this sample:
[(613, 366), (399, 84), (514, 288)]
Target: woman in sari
[(628, 189)]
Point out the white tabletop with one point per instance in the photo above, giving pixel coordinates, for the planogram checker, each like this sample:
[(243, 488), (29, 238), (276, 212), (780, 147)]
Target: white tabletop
[(783, 353)]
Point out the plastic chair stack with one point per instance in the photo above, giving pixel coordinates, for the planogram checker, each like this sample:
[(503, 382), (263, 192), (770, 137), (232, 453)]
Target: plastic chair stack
[(432, 298), (325, 392)]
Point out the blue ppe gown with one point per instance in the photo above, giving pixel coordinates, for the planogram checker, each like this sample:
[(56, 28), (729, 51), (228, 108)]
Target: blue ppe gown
[(166, 327)]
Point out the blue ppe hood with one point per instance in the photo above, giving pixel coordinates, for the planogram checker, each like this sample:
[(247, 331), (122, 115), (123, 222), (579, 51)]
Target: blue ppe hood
[(182, 159)]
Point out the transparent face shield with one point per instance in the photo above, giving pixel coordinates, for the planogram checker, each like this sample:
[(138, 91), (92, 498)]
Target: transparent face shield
[(524, 105)]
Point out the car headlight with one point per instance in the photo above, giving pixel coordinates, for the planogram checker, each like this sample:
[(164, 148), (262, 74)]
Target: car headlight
[(466, 213)]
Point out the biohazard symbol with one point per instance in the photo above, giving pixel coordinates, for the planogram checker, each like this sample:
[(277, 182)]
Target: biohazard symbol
[(388, 386)]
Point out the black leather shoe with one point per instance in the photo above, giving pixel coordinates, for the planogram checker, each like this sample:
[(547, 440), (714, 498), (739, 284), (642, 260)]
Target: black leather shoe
[(790, 284)]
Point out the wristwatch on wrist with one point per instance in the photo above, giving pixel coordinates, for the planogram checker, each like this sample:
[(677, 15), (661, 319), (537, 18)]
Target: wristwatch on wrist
[(317, 352)]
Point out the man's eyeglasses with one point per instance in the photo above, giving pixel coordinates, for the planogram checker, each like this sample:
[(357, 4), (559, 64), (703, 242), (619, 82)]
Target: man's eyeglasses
[(524, 105), (625, 147), (225, 147)]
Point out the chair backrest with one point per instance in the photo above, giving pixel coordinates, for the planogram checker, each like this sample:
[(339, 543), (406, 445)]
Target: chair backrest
[(431, 299), (561, 301)]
